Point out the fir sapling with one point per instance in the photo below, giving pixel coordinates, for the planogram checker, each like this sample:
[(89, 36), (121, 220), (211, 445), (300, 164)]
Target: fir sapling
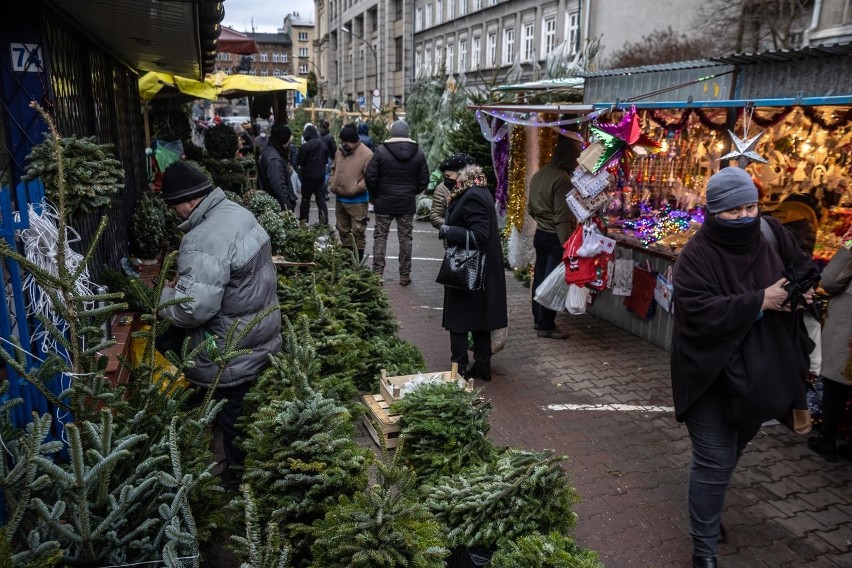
[(519, 494), (539, 551), (445, 430), (386, 526)]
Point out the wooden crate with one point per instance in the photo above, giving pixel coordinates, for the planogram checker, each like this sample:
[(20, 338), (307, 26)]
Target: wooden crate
[(389, 386), (378, 411)]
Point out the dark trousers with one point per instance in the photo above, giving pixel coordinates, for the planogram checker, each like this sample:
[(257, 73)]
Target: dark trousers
[(717, 444), (315, 187), (834, 397), (481, 351), (548, 255)]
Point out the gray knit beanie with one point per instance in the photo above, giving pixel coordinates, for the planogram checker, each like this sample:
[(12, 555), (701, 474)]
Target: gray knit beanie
[(399, 129), (728, 188)]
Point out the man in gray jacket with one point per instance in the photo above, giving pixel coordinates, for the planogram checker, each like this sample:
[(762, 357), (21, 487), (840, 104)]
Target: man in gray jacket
[(225, 266)]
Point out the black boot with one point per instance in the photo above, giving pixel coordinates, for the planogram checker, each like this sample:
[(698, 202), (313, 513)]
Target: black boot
[(825, 446), (704, 562)]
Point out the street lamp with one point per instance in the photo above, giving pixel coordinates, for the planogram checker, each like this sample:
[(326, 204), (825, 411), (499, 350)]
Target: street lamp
[(376, 92)]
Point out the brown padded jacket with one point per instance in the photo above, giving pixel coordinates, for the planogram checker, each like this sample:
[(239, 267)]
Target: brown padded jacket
[(347, 172)]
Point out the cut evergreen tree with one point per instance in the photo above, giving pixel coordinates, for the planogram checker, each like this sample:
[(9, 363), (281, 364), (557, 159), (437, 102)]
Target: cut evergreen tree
[(90, 175), (149, 225), (271, 552), (538, 551), (445, 430), (520, 494), (385, 526)]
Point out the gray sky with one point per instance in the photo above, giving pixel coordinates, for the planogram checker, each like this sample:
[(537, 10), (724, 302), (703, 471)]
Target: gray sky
[(268, 14)]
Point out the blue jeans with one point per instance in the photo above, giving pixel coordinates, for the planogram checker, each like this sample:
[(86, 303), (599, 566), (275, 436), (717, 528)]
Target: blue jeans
[(548, 255), (717, 444)]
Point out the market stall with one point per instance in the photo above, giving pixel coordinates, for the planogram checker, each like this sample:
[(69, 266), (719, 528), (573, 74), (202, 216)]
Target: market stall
[(662, 131)]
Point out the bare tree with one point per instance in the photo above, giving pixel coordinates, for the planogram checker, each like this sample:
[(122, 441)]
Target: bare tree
[(753, 25), (661, 46)]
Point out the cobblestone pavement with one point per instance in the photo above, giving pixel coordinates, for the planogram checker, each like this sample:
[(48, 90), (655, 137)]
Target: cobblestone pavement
[(786, 506)]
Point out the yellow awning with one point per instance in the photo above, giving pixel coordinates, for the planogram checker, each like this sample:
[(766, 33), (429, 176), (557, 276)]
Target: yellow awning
[(152, 82), (238, 85)]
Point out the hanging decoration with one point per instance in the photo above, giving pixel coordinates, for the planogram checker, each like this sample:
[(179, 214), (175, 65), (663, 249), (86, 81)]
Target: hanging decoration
[(517, 180), (498, 133), (619, 138), (744, 152), (500, 158), (547, 138)]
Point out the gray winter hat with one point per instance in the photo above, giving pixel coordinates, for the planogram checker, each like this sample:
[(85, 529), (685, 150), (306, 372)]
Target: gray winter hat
[(399, 129), (728, 188)]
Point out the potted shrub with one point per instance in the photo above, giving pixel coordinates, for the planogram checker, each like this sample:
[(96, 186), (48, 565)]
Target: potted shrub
[(149, 226)]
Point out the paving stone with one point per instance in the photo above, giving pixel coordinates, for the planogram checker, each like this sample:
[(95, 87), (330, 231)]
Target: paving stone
[(786, 506)]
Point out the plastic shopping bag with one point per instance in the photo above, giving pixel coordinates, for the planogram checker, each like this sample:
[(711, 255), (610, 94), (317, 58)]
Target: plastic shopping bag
[(553, 291), (577, 300)]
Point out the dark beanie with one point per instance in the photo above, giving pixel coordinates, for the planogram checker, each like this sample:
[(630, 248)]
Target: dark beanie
[(728, 188), (182, 183), (280, 134), (456, 162), (348, 133), (400, 129)]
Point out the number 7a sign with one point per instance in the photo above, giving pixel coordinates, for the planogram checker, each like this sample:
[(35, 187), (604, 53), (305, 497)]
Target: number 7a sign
[(26, 57)]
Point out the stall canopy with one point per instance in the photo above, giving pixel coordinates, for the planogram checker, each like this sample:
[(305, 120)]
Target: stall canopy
[(232, 41), (153, 84), (164, 85), (241, 85)]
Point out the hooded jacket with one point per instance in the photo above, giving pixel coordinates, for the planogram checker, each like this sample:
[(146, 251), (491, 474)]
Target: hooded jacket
[(396, 174), (364, 136), (313, 156), (548, 189), (274, 174), (225, 265), (347, 173)]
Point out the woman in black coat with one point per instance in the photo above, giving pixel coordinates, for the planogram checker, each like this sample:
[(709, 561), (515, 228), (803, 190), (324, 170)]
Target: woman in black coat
[(470, 207)]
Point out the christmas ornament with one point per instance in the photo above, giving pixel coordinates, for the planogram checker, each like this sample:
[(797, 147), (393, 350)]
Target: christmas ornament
[(744, 149), (619, 138)]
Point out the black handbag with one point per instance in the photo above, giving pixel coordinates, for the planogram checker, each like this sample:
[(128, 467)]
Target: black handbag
[(463, 268)]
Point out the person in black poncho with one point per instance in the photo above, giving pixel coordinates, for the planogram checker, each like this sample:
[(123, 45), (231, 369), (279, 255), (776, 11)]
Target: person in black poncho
[(739, 353)]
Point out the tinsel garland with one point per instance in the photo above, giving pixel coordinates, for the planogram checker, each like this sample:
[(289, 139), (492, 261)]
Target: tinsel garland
[(500, 157), (547, 138), (679, 123), (517, 179)]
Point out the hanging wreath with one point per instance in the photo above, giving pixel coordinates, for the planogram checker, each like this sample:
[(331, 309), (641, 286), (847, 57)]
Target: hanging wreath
[(840, 119)]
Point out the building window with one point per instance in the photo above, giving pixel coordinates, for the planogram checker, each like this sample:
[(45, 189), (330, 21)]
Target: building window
[(264, 72), (491, 51), (252, 72), (252, 57), (284, 57), (428, 22), (276, 72), (303, 52), (439, 58), (475, 53), (572, 30), (418, 20), (418, 62), (548, 35), (303, 36), (462, 55), (303, 68), (508, 46), (477, 5), (451, 61), (451, 10), (264, 57), (529, 39), (398, 54), (463, 7), (492, 2), (275, 57), (439, 11)]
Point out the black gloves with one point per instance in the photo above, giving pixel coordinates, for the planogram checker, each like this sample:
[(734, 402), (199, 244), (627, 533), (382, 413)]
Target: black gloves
[(442, 232)]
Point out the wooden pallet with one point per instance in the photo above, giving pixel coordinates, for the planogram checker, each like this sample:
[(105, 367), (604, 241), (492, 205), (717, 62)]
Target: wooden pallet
[(378, 411)]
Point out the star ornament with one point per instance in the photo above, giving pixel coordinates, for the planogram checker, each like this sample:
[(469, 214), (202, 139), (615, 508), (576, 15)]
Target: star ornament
[(744, 149)]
